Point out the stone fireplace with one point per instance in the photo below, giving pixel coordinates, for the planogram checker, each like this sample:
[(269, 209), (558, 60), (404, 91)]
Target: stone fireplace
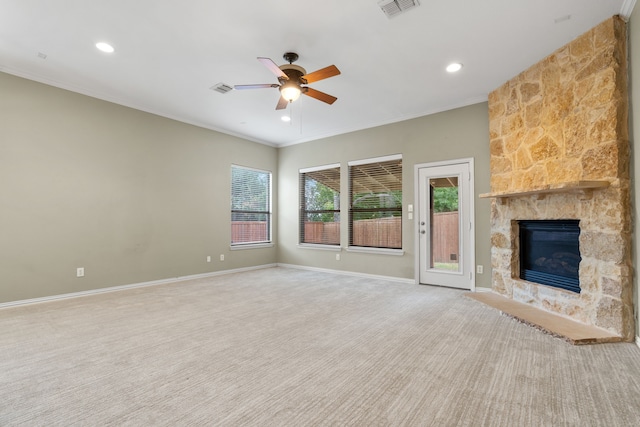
[(560, 151)]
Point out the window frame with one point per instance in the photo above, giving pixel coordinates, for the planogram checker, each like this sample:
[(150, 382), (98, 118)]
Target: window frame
[(268, 212), (303, 212), (351, 210)]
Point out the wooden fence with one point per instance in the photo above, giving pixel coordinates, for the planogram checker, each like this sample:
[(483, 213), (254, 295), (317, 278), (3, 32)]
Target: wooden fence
[(248, 231), (383, 232), (322, 232), (444, 244)]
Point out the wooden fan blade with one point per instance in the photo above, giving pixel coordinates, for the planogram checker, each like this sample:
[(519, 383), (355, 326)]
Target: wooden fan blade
[(282, 104), (324, 73), (273, 67), (320, 96), (259, 86)]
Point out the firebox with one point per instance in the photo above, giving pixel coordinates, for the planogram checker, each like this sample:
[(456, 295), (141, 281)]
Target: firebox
[(550, 252)]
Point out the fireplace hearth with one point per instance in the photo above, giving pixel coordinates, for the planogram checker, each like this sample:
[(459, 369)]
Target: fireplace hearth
[(550, 253)]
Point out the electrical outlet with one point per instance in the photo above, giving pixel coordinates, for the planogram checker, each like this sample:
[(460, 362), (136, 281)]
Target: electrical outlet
[(337, 257), (479, 269), (221, 257), (208, 258), (80, 272)]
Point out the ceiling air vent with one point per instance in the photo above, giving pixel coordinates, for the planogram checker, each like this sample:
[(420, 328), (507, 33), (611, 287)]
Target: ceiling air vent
[(222, 88), (393, 8)]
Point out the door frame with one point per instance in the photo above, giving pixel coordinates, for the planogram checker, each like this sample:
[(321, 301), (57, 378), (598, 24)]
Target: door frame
[(471, 251)]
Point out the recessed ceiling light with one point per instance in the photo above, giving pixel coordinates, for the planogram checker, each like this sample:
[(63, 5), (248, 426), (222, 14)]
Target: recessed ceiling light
[(452, 68), (105, 47), (285, 118)]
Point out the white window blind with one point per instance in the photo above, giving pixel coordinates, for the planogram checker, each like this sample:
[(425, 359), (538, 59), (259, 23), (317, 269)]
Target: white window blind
[(375, 203), (250, 206), (320, 205)]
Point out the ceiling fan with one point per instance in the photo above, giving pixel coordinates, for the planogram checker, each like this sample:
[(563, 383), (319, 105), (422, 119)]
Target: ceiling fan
[(291, 80)]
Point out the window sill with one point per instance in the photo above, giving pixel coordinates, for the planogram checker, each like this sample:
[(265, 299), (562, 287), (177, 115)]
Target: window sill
[(377, 251), (320, 247), (251, 246)]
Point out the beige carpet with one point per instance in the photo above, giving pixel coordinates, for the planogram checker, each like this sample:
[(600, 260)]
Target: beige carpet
[(284, 347)]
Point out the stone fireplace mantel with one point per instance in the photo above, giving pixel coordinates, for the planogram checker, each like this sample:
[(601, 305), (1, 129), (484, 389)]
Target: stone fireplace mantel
[(551, 188)]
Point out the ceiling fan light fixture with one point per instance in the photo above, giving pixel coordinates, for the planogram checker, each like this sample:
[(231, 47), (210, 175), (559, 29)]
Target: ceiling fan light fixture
[(290, 91)]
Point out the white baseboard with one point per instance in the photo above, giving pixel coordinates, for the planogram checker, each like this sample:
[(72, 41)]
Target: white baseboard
[(350, 273), (132, 286), (483, 289), (638, 341)]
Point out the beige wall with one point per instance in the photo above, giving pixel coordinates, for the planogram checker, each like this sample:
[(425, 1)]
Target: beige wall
[(634, 118), (129, 196), (134, 197), (454, 134)]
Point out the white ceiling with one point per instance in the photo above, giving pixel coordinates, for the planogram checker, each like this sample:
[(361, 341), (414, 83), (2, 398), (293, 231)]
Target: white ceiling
[(169, 53)]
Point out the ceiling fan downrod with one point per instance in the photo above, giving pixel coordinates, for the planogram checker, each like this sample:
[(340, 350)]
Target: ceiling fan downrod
[(290, 57)]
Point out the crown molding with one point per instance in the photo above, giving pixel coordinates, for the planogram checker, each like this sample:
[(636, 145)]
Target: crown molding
[(627, 8)]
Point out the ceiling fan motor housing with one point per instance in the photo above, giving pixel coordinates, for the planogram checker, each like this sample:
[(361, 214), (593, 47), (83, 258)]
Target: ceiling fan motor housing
[(294, 72)]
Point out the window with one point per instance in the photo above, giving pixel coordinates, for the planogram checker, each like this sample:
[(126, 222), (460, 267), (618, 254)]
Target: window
[(375, 203), (250, 206), (320, 205)]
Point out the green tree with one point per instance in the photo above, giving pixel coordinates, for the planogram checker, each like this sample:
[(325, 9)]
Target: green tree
[(318, 198), (445, 199)]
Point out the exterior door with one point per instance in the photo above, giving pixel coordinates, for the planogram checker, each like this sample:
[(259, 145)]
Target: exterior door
[(445, 224)]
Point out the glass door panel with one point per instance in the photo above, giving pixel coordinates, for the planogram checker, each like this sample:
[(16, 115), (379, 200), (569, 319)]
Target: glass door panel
[(445, 224)]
